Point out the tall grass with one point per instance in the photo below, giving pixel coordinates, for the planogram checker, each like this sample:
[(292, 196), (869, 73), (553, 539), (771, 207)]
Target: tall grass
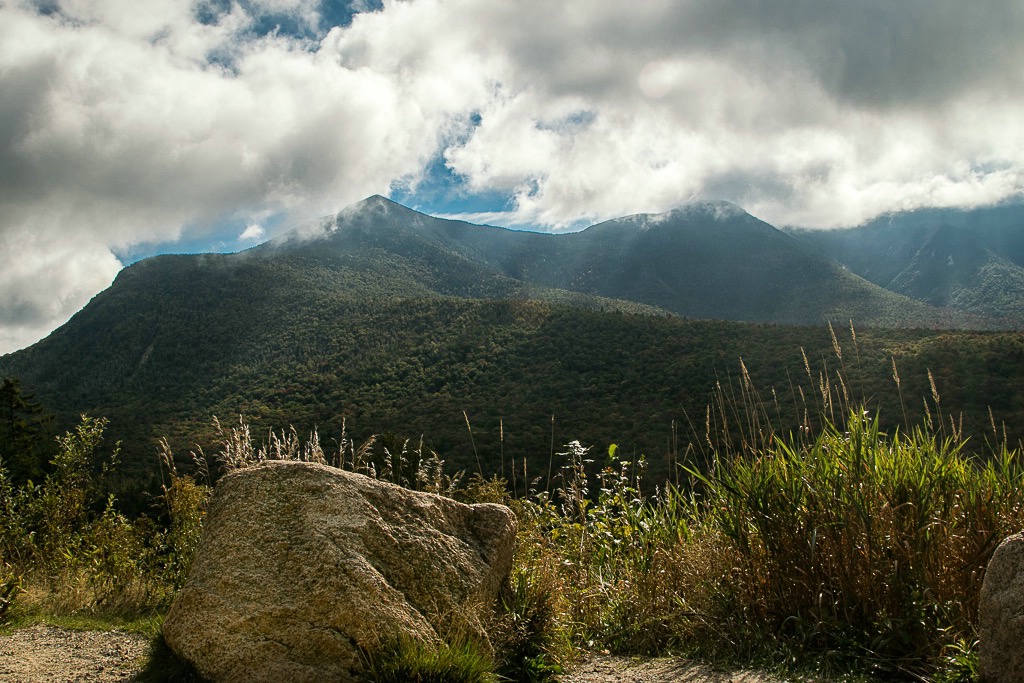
[(406, 660), (416, 468), (834, 542), (858, 541)]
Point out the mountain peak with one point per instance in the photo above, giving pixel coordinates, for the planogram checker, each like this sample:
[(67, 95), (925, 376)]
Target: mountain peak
[(705, 212), (374, 200), (718, 209), (377, 207), (372, 209)]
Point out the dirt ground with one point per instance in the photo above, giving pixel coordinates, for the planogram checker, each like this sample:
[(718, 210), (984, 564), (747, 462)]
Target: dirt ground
[(46, 654), (607, 669)]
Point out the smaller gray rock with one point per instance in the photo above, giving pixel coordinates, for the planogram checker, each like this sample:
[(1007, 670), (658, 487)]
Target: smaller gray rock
[(1001, 614)]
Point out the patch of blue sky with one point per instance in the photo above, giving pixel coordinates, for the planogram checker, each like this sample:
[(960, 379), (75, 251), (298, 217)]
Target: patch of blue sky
[(47, 7), (222, 238), (331, 13), (441, 191), (570, 124)]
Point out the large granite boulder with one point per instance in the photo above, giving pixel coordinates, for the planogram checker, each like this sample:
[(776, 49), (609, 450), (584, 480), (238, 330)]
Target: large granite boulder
[(301, 565), (1001, 614)]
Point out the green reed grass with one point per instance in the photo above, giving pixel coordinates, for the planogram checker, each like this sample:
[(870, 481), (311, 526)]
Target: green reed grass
[(870, 543), (849, 546)]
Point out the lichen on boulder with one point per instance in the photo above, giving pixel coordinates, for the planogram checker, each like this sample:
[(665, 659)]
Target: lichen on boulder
[(301, 566)]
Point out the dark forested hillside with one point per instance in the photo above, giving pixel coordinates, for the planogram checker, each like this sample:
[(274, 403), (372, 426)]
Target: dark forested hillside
[(410, 368), (393, 322)]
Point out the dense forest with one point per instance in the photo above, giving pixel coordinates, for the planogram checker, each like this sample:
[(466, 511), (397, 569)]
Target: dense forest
[(528, 376)]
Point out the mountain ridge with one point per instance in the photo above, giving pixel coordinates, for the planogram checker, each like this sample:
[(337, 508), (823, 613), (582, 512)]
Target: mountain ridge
[(968, 260), (703, 260)]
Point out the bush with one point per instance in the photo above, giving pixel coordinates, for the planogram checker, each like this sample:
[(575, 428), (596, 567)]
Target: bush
[(10, 586), (184, 499), (66, 538), (526, 635), (864, 542)]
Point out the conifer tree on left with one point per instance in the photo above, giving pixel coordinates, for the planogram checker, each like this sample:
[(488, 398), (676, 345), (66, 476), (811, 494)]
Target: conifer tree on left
[(26, 438)]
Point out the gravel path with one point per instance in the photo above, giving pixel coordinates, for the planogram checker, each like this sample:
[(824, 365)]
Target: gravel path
[(607, 669), (46, 654)]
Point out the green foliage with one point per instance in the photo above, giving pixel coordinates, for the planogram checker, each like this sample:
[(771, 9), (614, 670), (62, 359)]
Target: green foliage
[(406, 660), (836, 541), (849, 546), (960, 663), (69, 544), (863, 541), (476, 489), (608, 558), (184, 499), (60, 515)]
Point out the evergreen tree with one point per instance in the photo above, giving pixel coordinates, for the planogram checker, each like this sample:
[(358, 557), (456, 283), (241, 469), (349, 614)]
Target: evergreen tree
[(25, 443)]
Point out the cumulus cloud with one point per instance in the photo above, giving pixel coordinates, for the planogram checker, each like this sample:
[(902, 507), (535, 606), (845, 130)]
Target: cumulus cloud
[(822, 114), (252, 232), (121, 127)]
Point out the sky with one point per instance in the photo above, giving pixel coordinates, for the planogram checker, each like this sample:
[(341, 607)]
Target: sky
[(135, 127)]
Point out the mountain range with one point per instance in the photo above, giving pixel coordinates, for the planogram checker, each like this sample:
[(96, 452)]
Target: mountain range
[(704, 260), (968, 260), (491, 342)]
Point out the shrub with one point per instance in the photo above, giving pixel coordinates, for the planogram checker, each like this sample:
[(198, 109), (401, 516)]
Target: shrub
[(184, 499), (10, 586), (855, 548), (68, 542)]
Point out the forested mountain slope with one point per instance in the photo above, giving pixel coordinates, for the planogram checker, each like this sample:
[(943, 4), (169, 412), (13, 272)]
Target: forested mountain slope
[(394, 322), (705, 260)]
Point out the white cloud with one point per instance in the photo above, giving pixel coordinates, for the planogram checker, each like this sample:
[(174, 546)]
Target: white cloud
[(803, 115), (252, 232), (47, 277), (123, 127)]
